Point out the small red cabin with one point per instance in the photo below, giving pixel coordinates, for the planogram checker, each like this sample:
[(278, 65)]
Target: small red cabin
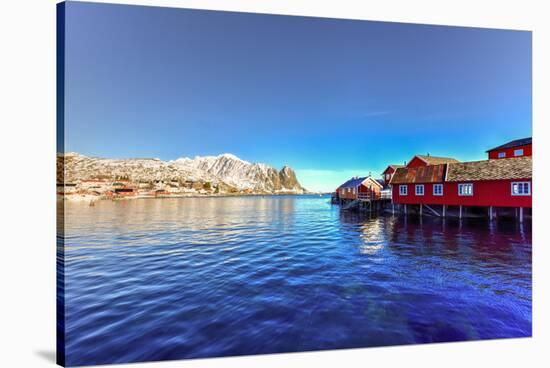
[(360, 188), (517, 148)]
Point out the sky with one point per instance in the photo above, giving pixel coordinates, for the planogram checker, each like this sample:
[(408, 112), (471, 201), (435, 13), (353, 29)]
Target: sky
[(330, 98)]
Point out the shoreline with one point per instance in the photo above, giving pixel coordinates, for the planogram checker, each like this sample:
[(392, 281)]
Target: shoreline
[(93, 198)]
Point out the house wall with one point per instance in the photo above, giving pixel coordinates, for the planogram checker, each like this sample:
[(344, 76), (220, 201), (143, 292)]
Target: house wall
[(527, 151), (374, 189), (496, 193), (344, 194)]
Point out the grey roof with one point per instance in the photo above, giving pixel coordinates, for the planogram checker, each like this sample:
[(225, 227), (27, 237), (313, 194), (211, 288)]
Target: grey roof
[(512, 144), (498, 169), (355, 182)]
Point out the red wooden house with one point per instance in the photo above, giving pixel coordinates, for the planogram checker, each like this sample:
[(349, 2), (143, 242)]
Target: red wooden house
[(477, 183), (360, 188), (487, 183), (516, 148), (416, 161)]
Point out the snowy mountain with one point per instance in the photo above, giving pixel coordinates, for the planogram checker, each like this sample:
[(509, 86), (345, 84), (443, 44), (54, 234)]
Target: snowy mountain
[(226, 172)]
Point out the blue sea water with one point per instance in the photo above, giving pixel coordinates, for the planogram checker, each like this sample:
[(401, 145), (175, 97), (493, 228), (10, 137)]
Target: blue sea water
[(158, 279)]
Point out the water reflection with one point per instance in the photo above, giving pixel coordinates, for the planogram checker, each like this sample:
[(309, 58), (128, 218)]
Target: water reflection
[(198, 277)]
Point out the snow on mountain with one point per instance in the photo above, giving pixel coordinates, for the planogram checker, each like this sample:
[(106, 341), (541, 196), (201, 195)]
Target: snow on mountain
[(226, 170)]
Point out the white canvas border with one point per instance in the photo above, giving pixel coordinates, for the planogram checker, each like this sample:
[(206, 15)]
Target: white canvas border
[(27, 271)]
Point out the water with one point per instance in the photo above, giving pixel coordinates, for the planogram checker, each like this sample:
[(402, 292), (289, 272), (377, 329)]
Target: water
[(201, 277)]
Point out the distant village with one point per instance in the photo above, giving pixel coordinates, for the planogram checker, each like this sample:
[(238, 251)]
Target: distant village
[(85, 178), (501, 185), (89, 189)]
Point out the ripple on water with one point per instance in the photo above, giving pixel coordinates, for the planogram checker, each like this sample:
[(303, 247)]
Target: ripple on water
[(202, 277)]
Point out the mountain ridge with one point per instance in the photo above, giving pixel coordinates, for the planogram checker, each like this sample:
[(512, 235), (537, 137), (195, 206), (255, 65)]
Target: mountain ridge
[(226, 172)]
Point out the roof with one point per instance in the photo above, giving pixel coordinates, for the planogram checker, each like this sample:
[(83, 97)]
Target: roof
[(499, 169), (422, 174), (355, 182), (435, 160), (394, 167), (512, 144)]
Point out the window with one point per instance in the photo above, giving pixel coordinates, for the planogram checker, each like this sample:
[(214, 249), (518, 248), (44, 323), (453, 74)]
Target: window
[(501, 154), (518, 152), (465, 189), (388, 176), (438, 189), (419, 189), (403, 190), (522, 188)]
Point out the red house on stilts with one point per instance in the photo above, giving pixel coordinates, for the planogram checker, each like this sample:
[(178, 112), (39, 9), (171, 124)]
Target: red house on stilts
[(360, 188), (437, 183)]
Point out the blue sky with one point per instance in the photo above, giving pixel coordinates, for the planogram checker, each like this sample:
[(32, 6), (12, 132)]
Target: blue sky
[(330, 98)]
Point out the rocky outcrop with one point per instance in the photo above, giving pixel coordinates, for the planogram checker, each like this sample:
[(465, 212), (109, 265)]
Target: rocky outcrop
[(288, 179)]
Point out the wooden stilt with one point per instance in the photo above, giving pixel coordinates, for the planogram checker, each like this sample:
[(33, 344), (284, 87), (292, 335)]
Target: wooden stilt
[(491, 213), (405, 209), (460, 212), (521, 214), (444, 210), (420, 209), (392, 209)]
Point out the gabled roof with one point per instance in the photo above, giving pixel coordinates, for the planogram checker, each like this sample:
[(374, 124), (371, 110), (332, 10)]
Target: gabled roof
[(512, 144), (499, 169), (435, 160), (355, 182), (422, 174), (395, 167)]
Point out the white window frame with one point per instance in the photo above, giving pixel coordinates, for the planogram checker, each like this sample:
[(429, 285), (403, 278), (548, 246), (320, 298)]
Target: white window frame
[(518, 152), (418, 186), (520, 185), (502, 155), (460, 192), (403, 190), (435, 193), (388, 177)]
